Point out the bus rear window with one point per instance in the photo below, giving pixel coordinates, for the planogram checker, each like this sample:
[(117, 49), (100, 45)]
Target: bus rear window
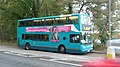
[(25, 23), (22, 24)]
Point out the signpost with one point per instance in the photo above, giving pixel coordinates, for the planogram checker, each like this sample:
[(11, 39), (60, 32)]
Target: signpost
[(109, 20)]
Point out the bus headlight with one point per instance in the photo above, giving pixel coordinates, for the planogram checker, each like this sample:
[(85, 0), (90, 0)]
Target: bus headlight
[(83, 47)]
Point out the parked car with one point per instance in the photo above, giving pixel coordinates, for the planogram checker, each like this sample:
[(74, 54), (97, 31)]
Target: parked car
[(114, 42)]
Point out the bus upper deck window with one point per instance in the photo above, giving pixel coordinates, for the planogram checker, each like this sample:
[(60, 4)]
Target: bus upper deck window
[(22, 24)]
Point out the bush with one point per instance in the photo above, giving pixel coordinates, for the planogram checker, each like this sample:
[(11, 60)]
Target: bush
[(99, 46)]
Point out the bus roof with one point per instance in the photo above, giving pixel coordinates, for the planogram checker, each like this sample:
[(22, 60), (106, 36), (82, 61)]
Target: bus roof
[(47, 17)]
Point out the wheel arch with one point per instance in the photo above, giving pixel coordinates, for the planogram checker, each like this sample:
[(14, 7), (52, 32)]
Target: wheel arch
[(61, 45)]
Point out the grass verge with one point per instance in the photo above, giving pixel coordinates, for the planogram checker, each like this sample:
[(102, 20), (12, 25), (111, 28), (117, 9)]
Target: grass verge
[(8, 43)]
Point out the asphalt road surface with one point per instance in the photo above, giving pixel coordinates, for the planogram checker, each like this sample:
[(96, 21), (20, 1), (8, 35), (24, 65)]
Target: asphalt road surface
[(8, 60), (12, 56)]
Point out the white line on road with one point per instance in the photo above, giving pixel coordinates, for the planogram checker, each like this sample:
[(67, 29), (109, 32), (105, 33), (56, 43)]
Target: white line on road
[(13, 53), (61, 62), (57, 60), (32, 56)]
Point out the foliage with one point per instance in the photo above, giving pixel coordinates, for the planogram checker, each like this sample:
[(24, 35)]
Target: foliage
[(100, 14), (99, 47), (12, 10)]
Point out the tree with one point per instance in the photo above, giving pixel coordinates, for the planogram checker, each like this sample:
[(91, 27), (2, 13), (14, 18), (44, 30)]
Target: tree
[(99, 8), (101, 20), (13, 10)]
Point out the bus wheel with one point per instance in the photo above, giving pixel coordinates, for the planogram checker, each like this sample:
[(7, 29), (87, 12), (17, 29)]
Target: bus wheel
[(62, 49), (27, 46)]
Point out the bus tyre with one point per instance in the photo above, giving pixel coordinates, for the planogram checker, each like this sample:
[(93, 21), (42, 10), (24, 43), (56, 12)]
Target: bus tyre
[(27, 46), (62, 49)]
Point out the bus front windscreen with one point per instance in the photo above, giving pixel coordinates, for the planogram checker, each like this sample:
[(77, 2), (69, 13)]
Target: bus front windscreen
[(86, 38)]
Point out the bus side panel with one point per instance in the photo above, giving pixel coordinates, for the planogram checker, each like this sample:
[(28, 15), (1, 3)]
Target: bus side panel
[(45, 45), (19, 37), (63, 37)]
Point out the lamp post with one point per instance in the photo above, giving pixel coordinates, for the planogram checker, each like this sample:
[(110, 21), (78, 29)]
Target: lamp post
[(109, 20)]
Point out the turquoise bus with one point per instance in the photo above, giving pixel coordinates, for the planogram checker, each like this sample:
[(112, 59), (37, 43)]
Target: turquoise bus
[(70, 33)]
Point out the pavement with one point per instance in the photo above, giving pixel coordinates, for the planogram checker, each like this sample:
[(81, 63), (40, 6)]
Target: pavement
[(99, 51)]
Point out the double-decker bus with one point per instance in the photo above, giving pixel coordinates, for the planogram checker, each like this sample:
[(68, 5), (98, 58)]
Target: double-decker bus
[(70, 33)]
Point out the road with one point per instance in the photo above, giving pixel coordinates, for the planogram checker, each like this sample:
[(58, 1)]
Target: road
[(16, 57), (7, 60)]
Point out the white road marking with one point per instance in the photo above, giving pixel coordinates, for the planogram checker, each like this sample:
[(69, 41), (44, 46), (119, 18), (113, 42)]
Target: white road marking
[(21, 55), (57, 60), (13, 53), (51, 60), (62, 62), (83, 57)]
